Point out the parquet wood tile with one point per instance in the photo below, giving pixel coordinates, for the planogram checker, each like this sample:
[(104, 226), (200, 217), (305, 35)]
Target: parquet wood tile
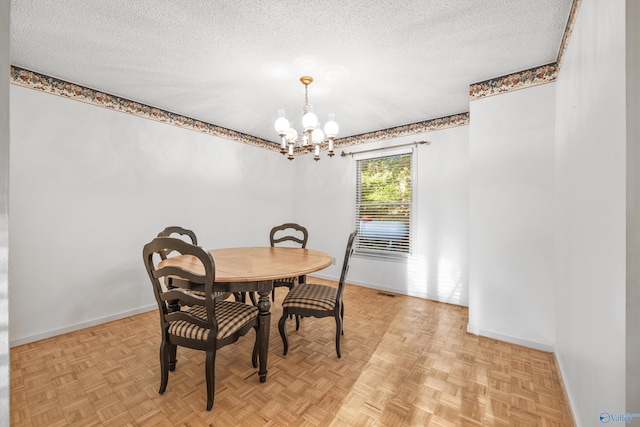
[(405, 362)]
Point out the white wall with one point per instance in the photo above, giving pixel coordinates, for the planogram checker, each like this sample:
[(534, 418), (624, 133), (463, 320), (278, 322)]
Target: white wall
[(90, 186), (633, 205), (4, 214), (325, 198), (511, 295), (590, 212)]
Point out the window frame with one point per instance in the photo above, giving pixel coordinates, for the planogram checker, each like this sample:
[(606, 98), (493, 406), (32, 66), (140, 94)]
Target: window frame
[(382, 153)]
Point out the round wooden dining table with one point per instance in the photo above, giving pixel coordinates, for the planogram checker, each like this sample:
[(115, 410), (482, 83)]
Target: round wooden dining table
[(253, 269)]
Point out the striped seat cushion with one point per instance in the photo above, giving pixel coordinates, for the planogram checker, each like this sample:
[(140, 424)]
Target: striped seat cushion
[(311, 296), (231, 316)]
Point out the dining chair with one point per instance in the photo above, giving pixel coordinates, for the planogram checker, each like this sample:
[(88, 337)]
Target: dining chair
[(202, 322), (179, 232), (288, 234), (315, 300)]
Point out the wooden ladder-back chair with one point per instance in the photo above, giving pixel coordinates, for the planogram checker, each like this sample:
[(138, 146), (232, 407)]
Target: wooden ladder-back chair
[(176, 231), (201, 322), (314, 300), (288, 234)]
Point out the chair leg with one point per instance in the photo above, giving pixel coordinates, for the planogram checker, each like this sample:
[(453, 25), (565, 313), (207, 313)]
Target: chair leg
[(210, 366), (173, 349), (342, 316), (254, 356), (290, 288), (297, 322), (164, 365), (283, 331), (338, 333)]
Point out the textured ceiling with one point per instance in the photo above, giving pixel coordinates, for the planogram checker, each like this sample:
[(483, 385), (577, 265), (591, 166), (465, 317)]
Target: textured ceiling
[(375, 64)]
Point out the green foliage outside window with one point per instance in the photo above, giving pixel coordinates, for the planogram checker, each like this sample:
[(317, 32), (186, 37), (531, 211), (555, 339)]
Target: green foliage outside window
[(386, 180)]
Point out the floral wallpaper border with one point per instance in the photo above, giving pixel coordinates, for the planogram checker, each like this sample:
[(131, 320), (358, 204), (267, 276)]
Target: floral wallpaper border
[(520, 80), (531, 77), (460, 119), (568, 30), (37, 81)]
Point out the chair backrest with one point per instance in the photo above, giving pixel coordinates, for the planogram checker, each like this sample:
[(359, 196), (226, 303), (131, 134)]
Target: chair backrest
[(203, 273), (345, 263), (169, 231), (289, 232)]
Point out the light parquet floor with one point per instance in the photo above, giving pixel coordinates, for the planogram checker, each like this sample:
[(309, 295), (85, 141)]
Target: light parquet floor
[(405, 362)]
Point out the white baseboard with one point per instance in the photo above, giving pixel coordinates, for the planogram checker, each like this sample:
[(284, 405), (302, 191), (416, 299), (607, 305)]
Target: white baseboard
[(78, 326), (513, 340), (470, 328), (566, 390), (389, 289), (357, 283)]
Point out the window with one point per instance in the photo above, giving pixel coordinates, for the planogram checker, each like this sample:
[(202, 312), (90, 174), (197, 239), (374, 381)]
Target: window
[(383, 204)]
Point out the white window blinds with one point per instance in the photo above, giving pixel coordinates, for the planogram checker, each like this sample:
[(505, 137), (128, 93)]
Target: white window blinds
[(383, 204)]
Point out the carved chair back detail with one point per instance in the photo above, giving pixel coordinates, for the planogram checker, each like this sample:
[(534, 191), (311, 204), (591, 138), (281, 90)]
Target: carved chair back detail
[(288, 234)]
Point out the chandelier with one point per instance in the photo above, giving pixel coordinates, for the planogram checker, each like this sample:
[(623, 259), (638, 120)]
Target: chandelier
[(312, 137)]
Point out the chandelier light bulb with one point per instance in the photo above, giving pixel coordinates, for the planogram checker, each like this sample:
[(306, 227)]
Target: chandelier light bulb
[(281, 124), (331, 127), (309, 120), (292, 135), (317, 136)]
